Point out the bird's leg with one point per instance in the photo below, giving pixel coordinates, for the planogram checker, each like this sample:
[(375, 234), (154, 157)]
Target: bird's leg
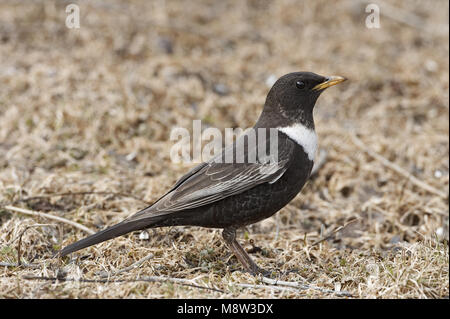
[(229, 235)]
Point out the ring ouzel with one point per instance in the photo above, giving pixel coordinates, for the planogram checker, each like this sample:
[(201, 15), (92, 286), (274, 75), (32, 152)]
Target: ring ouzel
[(231, 194)]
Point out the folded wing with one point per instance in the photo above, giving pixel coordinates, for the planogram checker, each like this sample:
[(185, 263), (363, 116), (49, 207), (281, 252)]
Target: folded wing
[(214, 180)]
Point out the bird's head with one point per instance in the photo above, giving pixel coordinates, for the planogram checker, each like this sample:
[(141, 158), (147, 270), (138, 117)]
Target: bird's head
[(294, 95)]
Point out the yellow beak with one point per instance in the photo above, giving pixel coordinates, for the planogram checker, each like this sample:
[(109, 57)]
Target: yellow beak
[(331, 80)]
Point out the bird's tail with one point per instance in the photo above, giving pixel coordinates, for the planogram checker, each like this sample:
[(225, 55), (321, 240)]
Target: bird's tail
[(108, 233)]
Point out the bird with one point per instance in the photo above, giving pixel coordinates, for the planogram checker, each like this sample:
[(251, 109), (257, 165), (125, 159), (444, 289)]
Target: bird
[(242, 185)]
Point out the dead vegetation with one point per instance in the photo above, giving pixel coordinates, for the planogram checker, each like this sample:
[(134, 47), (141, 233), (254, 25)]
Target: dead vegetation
[(85, 119)]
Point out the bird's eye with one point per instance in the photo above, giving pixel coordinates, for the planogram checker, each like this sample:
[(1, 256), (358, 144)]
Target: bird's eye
[(300, 85)]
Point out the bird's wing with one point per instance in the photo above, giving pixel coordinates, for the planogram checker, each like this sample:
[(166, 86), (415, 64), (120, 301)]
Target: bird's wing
[(213, 181)]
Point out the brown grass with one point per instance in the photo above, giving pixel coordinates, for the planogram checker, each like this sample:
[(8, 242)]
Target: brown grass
[(90, 110)]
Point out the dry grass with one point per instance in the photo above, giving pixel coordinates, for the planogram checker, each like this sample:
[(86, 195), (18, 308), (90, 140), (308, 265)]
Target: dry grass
[(90, 110)]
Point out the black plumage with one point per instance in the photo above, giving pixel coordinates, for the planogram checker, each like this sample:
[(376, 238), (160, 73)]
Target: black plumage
[(220, 194)]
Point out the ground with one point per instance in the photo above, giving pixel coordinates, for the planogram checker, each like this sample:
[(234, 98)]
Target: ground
[(85, 121)]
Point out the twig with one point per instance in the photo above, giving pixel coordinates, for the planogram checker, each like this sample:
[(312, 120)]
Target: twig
[(180, 281), (19, 252), (135, 265), (52, 217), (81, 193), (398, 169), (4, 264), (334, 232), (267, 287), (274, 283)]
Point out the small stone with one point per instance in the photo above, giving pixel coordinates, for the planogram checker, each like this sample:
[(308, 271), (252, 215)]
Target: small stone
[(440, 233), (221, 89), (165, 44), (144, 235), (431, 65), (437, 173), (395, 240), (130, 156), (337, 286)]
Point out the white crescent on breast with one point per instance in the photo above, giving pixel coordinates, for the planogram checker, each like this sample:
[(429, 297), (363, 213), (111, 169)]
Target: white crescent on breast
[(303, 136)]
